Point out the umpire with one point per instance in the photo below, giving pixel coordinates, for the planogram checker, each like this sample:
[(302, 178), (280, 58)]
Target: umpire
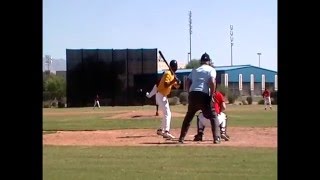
[(198, 83)]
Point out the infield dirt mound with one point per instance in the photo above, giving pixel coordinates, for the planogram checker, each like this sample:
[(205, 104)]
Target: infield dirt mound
[(240, 137), (138, 114)]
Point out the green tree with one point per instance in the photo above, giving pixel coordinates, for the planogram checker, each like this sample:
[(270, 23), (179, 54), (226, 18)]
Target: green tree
[(55, 86), (194, 63)]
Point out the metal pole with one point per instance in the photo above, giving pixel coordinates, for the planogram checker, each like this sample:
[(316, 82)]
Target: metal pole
[(259, 58), (231, 55), (190, 48), (190, 32), (48, 61), (48, 65), (231, 41)]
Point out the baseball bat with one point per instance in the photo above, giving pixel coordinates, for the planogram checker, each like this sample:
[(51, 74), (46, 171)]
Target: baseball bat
[(164, 59)]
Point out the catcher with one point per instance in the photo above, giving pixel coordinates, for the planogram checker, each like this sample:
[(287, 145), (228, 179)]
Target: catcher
[(202, 122)]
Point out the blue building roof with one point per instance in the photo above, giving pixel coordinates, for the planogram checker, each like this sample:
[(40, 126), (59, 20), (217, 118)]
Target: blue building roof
[(222, 68), (227, 68), (234, 71)]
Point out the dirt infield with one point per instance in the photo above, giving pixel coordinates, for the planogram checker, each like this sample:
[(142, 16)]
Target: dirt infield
[(240, 137), (141, 115)]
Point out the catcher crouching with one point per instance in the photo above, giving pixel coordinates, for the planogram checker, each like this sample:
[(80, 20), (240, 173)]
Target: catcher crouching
[(203, 122)]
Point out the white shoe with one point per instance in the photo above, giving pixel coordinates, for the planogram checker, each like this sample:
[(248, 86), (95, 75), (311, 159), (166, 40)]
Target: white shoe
[(167, 135), (147, 94)]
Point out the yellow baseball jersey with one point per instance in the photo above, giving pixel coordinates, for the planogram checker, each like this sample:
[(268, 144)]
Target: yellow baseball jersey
[(166, 77)]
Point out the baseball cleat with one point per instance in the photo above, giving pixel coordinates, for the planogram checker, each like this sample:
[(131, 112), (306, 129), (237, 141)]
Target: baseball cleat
[(160, 132), (181, 141), (217, 140), (198, 137), (225, 137), (167, 135)]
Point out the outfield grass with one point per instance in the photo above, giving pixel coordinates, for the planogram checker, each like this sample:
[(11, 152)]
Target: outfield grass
[(203, 163), (88, 119)]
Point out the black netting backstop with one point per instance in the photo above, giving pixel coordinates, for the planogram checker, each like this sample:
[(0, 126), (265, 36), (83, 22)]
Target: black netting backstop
[(116, 75)]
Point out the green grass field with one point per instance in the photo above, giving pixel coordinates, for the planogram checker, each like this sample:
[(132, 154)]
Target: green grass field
[(177, 162), (88, 119)]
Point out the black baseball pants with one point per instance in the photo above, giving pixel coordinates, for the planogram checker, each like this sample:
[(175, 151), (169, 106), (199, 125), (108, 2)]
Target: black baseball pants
[(200, 101)]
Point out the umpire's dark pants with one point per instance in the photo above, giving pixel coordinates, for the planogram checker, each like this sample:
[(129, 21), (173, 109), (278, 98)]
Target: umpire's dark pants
[(200, 101)]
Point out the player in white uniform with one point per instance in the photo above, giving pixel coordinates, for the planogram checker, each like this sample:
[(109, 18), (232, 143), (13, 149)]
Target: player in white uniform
[(96, 102)]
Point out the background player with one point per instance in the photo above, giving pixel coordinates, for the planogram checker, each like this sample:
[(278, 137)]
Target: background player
[(267, 98), (96, 102)]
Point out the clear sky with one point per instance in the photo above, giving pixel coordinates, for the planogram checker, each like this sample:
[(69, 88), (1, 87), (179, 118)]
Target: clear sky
[(164, 24)]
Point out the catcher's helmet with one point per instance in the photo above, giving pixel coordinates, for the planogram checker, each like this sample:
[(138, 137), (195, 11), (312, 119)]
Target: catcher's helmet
[(173, 64)]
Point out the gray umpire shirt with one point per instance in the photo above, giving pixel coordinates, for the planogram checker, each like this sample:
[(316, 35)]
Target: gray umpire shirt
[(200, 78)]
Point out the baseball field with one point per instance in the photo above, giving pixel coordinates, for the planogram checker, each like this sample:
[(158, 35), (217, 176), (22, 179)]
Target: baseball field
[(121, 143)]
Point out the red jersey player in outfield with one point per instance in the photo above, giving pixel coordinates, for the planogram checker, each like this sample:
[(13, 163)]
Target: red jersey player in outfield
[(267, 99)]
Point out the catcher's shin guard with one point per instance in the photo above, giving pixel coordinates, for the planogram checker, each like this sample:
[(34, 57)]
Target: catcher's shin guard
[(223, 131), (226, 124), (199, 135), (199, 130), (198, 121), (215, 128)]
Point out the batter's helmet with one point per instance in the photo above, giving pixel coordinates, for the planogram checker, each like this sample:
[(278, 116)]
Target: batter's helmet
[(173, 64)]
